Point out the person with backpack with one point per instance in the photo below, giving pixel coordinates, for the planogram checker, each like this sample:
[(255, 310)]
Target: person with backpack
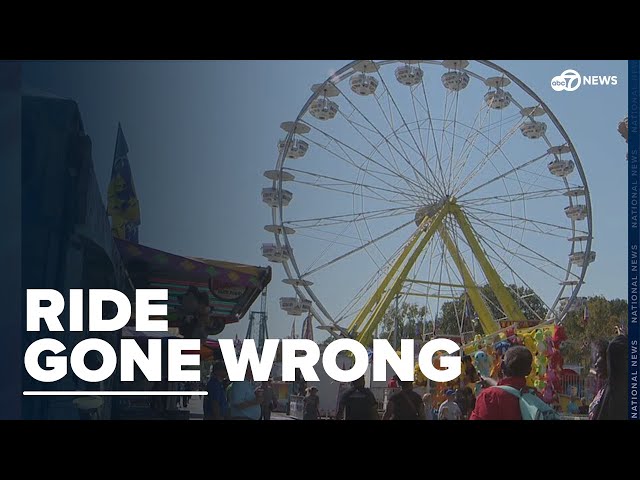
[(511, 399), (405, 404), (358, 403)]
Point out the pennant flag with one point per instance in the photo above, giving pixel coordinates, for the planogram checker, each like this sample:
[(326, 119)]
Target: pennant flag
[(293, 329), (307, 328), (122, 202), (237, 344)]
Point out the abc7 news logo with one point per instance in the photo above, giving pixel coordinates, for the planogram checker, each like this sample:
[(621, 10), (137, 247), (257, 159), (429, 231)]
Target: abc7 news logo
[(568, 81)]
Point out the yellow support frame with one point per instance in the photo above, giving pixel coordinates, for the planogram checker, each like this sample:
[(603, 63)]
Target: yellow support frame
[(383, 296), (509, 306), (489, 325), (367, 320)]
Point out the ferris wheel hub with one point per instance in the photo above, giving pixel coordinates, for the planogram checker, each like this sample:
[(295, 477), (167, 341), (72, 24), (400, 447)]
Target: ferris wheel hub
[(431, 209)]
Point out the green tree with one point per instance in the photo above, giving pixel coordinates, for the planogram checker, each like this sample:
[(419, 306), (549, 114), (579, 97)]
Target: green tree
[(606, 318), (453, 312), (411, 320)]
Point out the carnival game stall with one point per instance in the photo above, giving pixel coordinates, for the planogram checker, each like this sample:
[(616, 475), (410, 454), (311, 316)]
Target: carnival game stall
[(230, 288), (203, 297), (482, 358)]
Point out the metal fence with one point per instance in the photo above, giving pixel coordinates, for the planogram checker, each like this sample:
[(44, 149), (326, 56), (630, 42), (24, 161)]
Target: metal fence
[(578, 386)]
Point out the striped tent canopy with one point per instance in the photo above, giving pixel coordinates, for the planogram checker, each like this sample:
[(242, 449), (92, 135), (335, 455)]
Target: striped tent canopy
[(232, 288)]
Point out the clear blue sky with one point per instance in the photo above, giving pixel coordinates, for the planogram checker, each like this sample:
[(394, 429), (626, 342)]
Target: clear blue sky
[(201, 134)]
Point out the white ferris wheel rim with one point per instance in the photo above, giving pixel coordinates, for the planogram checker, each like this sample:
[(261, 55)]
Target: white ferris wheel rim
[(303, 288)]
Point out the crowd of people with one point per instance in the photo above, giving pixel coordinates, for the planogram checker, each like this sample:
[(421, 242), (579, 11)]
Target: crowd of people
[(498, 399), (243, 400)]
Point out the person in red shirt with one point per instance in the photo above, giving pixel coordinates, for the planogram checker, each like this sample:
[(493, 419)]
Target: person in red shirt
[(393, 383), (497, 404)]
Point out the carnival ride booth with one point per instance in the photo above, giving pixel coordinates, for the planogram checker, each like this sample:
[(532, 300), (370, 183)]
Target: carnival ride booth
[(203, 297)]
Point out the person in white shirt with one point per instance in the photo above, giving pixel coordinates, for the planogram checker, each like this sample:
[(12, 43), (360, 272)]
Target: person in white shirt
[(449, 410), (427, 401)]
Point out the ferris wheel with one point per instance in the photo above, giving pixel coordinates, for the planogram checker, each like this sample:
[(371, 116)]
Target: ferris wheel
[(431, 181)]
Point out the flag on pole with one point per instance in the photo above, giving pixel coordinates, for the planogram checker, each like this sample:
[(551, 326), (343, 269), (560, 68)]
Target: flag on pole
[(122, 201)]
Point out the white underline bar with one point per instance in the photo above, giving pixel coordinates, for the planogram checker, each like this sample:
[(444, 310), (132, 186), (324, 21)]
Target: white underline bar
[(109, 393)]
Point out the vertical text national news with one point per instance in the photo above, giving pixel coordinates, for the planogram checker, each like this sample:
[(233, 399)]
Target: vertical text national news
[(634, 235)]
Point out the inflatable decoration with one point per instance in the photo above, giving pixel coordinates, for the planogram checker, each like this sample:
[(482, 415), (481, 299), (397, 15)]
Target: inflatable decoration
[(553, 379), (547, 394), (502, 347), (559, 336), (469, 373), (555, 360), (482, 363), (541, 345)]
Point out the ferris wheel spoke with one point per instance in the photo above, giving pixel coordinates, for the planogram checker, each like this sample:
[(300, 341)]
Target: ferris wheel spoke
[(434, 185), (425, 149), (470, 142), (522, 227), (348, 217), (497, 257), (383, 140), (536, 223), (394, 131), (358, 249), (497, 147), (483, 132), (514, 197), (381, 272), (351, 193), (366, 171), (371, 188), (494, 256), (537, 255), (317, 233), (331, 241), (389, 144), (366, 289), (328, 247), (453, 142), (433, 135), (503, 175), (414, 186)]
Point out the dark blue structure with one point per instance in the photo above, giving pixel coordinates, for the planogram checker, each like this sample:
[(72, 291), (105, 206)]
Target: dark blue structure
[(66, 236)]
